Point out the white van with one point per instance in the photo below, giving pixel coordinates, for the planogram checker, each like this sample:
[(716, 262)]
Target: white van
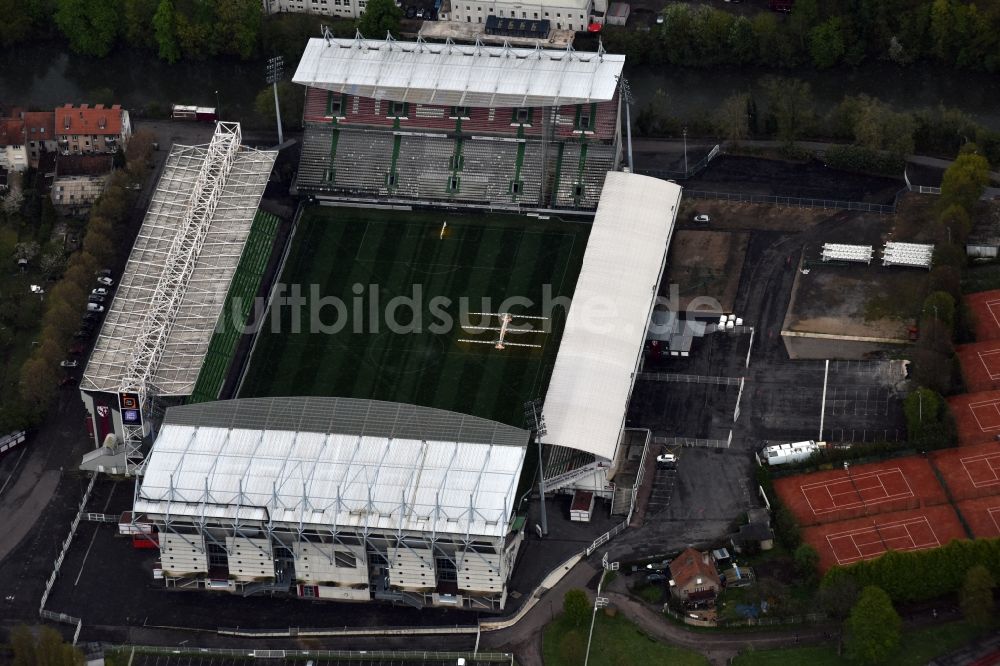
[(94, 307)]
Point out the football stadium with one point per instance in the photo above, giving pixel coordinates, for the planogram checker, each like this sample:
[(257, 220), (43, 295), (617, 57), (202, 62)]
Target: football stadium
[(440, 268), (465, 249)]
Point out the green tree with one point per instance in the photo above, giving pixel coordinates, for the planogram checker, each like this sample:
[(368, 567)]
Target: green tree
[(380, 17), (237, 26), (873, 628), (838, 593), (731, 119), (976, 596), (290, 98), (964, 180), (571, 648), (921, 407), (942, 30), (576, 606), (773, 47), (806, 562), (22, 642), (878, 127), (786, 528), (941, 306), (16, 25), (90, 25), (956, 223), (826, 43), (137, 16), (741, 41), (790, 103), (165, 32)]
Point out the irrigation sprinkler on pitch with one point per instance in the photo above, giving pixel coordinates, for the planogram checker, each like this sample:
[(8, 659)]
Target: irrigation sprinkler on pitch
[(506, 319)]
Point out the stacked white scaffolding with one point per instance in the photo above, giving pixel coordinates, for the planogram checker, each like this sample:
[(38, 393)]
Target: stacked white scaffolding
[(907, 254), (861, 254)]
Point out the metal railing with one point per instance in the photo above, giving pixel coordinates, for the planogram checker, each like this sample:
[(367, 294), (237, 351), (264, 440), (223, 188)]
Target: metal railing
[(348, 631), (689, 379), (65, 545), (359, 656), (793, 202)]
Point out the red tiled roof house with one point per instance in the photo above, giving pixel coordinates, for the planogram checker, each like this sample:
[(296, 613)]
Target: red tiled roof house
[(693, 577), (96, 129)]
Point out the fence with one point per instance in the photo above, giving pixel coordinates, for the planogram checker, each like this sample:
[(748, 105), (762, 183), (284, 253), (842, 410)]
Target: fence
[(692, 442), (101, 518), (793, 202), (689, 379), (359, 656), (65, 547), (348, 631), (607, 536), (693, 170), (65, 619)]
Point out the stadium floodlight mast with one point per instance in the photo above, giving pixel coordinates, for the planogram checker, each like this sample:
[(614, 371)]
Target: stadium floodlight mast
[(535, 420), (627, 96), (275, 66)]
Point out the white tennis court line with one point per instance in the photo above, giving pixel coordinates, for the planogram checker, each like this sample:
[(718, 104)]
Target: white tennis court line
[(982, 359), (994, 513), (857, 477), (874, 530), (989, 306), (988, 458), (986, 403)]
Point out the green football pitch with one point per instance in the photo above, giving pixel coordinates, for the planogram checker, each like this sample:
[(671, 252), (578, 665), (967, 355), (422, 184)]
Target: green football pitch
[(365, 258)]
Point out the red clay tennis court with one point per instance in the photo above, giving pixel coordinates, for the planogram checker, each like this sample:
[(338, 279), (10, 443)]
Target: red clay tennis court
[(849, 541), (985, 309), (891, 485), (970, 471), (982, 515), (980, 362), (977, 416)]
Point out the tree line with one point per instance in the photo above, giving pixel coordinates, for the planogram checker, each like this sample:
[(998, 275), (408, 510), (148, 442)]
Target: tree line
[(66, 300), (176, 29), (820, 34)]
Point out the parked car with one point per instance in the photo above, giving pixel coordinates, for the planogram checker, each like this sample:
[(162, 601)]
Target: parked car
[(106, 281), (68, 381), (69, 363), (91, 317), (702, 219), (100, 291), (37, 289), (94, 307), (82, 334), (655, 577), (94, 298), (666, 461), (77, 349), (659, 19), (103, 273), (420, 13)]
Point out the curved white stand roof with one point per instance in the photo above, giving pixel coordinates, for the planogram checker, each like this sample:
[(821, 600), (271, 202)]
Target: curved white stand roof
[(602, 344)]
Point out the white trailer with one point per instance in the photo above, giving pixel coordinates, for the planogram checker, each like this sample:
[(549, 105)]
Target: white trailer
[(780, 454)]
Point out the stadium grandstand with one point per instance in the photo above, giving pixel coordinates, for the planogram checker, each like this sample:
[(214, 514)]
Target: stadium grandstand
[(600, 354), (458, 125), (335, 498), (157, 332)]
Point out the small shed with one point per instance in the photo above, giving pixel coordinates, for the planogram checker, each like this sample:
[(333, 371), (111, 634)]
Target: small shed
[(618, 13)]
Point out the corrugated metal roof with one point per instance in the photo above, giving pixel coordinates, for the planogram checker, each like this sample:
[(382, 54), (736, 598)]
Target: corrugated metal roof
[(605, 332), (460, 75), (191, 331), (333, 479)]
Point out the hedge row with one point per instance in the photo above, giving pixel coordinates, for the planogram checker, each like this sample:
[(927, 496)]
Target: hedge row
[(920, 575)]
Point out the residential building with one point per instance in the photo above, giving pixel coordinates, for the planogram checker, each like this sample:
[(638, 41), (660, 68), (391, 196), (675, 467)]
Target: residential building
[(79, 180), (337, 8), (561, 14), (694, 578), (39, 131), (13, 154), (96, 129)]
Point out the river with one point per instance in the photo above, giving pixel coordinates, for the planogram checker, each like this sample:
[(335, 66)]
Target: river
[(47, 75), (692, 91)]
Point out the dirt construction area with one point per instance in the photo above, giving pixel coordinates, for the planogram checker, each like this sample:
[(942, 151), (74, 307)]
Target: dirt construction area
[(705, 264)]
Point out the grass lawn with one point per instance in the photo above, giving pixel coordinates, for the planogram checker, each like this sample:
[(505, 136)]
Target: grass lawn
[(616, 642), (366, 258), (918, 647)]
